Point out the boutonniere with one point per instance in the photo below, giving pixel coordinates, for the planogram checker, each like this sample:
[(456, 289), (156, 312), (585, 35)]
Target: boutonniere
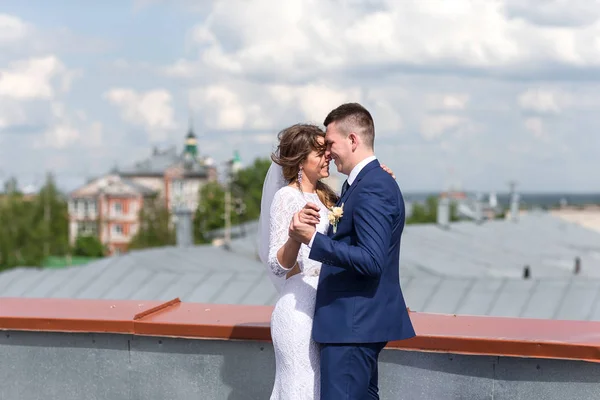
[(335, 213)]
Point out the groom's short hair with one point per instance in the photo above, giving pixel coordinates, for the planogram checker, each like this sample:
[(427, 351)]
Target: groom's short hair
[(352, 117)]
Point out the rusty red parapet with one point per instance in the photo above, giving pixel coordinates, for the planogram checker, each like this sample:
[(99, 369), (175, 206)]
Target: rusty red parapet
[(515, 337)]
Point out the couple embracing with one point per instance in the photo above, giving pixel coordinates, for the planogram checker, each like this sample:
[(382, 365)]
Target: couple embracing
[(333, 258)]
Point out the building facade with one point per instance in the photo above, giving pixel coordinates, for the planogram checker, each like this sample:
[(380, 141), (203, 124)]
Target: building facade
[(108, 207), (176, 177)]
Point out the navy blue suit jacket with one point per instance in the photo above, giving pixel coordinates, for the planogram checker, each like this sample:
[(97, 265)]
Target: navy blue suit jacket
[(359, 299)]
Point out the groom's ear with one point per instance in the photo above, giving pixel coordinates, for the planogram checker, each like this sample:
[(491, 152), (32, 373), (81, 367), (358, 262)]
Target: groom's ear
[(354, 140)]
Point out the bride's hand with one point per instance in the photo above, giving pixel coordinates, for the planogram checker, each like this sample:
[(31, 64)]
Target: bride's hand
[(310, 214), (389, 171)]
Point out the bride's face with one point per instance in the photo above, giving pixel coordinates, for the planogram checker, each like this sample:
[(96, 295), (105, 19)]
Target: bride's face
[(317, 162)]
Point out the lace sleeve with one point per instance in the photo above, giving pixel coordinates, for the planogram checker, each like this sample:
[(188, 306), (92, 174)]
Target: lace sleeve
[(285, 204)]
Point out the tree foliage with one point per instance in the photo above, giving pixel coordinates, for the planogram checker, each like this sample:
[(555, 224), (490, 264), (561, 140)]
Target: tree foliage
[(246, 193), (210, 214), (247, 186), (155, 229), (32, 227), (88, 246), (427, 213)]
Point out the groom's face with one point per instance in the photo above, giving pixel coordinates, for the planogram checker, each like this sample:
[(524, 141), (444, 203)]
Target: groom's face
[(339, 148)]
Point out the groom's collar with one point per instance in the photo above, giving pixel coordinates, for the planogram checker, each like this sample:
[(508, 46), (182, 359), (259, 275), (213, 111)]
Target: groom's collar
[(363, 171), (356, 170)]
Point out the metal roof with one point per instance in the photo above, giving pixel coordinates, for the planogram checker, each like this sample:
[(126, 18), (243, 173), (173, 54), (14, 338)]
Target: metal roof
[(159, 161), (468, 269)]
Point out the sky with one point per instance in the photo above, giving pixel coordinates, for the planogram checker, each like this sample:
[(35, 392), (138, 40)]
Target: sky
[(464, 93)]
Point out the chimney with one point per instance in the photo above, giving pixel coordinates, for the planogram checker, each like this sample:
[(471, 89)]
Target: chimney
[(514, 207), (183, 226), (478, 211), (443, 212), (577, 266)]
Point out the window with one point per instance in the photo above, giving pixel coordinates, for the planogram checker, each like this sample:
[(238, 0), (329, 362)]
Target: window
[(118, 207), (87, 228), (117, 229), (177, 187)]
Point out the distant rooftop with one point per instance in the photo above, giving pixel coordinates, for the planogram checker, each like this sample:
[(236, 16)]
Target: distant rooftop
[(468, 269), (161, 160)]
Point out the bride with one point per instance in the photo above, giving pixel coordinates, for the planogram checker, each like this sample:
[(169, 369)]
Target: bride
[(294, 178)]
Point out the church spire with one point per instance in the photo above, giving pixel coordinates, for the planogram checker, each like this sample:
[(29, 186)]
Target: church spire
[(191, 142)]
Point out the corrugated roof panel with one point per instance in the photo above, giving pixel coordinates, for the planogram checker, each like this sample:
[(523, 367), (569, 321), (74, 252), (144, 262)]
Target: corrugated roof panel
[(111, 275), (25, 282), (512, 299), (261, 293), (236, 289), (594, 314), (184, 286), (417, 295), (152, 289), (128, 285), (49, 284), (579, 300), (480, 297), (545, 299), (81, 277), (8, 277), (448, 295), (435, 266), (210, 287)]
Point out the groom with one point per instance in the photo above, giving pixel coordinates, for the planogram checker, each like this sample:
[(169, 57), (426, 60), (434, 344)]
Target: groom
[(359, 305)]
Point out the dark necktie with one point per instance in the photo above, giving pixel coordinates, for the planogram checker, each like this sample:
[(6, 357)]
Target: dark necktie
[(345, 187)]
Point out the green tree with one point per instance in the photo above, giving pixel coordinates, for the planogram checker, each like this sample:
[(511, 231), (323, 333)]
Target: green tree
[(32, 228), (88, 246), (427, 213), (247, 186), (156, 229), (19, 234), (246, 190), (210, 214), (50, 211)]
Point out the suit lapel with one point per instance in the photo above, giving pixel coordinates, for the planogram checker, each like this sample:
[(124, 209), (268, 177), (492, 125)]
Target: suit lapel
[(361, 174)]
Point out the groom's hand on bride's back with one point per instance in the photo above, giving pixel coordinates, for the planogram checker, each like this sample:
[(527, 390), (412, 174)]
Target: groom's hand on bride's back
[(388, 170)]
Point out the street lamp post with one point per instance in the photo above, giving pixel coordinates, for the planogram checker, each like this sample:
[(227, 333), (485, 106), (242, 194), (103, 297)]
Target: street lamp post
[(233, 166)]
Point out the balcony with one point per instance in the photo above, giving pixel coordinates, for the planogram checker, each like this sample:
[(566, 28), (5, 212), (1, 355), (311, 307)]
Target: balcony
[(103, 349)]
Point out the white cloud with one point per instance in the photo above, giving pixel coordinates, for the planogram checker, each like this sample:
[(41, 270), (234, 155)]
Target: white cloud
[(68, 129), (535, 125), (11, 113), (448, 101), (309, 38), (434, 126), (12, 29), (314, 101), (543, 101), (565, 13), (226, 107), (152, 110), (34, 78)]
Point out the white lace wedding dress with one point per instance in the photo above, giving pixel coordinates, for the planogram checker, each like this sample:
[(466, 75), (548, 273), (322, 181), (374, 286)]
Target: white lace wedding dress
[(297, 375)]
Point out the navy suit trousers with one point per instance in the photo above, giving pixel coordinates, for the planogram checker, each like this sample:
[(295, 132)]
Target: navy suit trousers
[(349, 371)]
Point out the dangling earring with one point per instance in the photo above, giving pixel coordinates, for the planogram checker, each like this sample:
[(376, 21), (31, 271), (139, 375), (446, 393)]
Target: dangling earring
[(300, 176)]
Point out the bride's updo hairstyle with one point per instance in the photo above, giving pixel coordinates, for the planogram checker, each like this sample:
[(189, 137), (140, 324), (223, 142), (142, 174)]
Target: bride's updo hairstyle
[(295, 144)]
